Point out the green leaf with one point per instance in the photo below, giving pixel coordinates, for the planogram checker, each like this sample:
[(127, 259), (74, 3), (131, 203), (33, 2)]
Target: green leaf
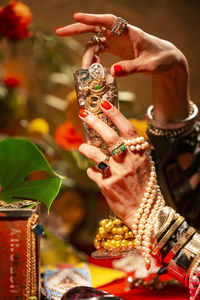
[(18, 159)]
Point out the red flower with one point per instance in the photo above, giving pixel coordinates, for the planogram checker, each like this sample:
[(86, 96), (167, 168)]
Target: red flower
[(66, 136), (14, 20), (11, 82)]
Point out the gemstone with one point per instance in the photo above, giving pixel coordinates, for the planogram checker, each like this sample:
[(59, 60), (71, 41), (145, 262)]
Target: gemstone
[(117, 151), (38, 229), (113, 152), (102, 165), (97, 87), (122, 147)]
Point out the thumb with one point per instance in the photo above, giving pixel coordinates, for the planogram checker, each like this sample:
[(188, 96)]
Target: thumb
[(126, 67)]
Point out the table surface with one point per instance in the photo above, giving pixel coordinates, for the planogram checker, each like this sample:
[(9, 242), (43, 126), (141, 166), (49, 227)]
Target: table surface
[(118, 288)]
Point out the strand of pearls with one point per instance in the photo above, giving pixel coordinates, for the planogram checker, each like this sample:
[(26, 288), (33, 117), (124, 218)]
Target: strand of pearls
[(137, 143), (194, 282), (146, 216)]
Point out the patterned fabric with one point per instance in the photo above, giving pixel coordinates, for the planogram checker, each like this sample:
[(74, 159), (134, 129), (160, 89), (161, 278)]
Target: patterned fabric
[(58, 282), (177, 162)]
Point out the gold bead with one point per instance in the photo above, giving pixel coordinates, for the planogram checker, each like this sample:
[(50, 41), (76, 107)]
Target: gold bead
[(134, 243), (102, 233), (120, 230), (114, 230), (32, 298), (126, 236), (118, 237), (118, 245), (108, 226), (117, 221), (97, 244), (113, 243), (126, 229), (130, 234), (124, 244), (105, 245), (130, 244), (103, 222), (98, 237)]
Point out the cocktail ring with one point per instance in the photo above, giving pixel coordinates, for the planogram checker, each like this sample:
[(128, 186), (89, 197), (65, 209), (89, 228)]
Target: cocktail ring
[(103, 165), (99, 39), (119, 27), (118, 148)]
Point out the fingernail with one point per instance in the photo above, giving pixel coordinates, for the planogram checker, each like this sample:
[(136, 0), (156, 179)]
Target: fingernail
[(106, 105), (75, 13), (118, 70), (83, 113), (59, 27)]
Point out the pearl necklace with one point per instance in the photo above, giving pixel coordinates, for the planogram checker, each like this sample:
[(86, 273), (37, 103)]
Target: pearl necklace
[(151, 204)]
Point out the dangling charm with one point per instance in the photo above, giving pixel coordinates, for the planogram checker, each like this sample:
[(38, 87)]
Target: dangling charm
[(96, 70)]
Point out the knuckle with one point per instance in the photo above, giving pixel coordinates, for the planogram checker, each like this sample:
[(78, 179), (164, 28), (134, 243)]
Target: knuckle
[(129, 130), (92, 153), (111, 139)]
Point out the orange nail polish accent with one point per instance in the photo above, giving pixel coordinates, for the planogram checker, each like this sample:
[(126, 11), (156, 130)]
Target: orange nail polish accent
[(59, 27), (106, 105), (83, 113), (118, 70)]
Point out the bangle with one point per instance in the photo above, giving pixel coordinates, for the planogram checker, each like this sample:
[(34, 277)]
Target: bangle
[(171, 129), (195, 260), (165, 217), (184, 238), (167, 235)]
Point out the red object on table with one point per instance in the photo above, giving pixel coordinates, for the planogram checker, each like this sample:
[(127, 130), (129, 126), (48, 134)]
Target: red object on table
[(117, 287)]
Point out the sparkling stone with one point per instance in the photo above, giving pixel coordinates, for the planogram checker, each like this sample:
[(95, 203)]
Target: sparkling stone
[(38, 229)]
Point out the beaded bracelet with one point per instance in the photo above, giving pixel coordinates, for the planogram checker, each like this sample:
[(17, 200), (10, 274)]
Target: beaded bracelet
[(194, 282), (137, 143), (172, 129), (146, 216)]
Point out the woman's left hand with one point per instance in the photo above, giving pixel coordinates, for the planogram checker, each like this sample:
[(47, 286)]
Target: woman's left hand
[(128, 172)]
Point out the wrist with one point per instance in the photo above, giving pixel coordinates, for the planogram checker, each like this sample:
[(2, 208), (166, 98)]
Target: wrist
[(171, 94)]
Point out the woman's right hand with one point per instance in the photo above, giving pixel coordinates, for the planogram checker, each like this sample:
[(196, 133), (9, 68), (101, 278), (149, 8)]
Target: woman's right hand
[(140, 53)]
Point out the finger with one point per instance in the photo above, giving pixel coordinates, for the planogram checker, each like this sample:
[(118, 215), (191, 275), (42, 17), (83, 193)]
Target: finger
[(125, 127), (104, 20), (74, 29), (92, 152), (95, 175), (108, 134), (89, 56), (127, 67)]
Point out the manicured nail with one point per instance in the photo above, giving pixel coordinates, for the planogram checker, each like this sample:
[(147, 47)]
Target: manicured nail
[(118, 70), (106, 105), (59, 27), (83, 113), (75, 13)]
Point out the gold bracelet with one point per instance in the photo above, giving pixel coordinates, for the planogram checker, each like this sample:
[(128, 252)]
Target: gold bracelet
[(165, 217), (190, 268), (167, 235), (183, 239)]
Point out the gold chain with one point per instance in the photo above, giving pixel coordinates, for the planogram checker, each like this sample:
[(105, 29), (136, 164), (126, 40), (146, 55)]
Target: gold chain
[(31, 268)]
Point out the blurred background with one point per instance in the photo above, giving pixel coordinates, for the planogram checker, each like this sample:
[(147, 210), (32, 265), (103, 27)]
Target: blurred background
[(37, 97)]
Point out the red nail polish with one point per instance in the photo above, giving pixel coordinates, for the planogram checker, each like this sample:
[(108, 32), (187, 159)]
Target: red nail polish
[(59, 27), (118, 70), (83, 113), (75, 13), (106, 105)]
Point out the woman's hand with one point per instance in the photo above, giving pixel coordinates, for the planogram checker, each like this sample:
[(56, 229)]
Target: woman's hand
[(125, 185), (140, 53)]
